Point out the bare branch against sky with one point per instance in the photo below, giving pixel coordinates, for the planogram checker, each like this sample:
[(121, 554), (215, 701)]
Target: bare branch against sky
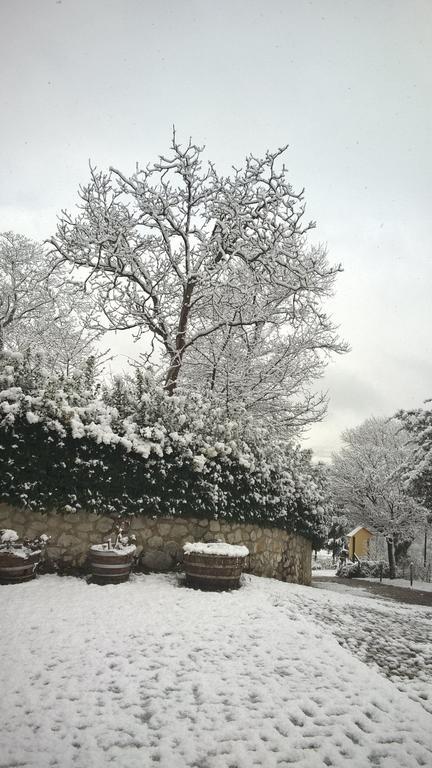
[(346, 84)]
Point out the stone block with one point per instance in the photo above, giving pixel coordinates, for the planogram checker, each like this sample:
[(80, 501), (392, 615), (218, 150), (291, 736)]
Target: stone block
[(208, 536), (180, 531), (65, 541), (215, 526), (103, 525), (164, 529), (154, 560), (155, 542), (83, 527), (170, 546)]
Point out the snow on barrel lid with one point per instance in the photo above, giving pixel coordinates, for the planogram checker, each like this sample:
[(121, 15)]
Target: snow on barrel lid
[(215, 548), (114, 551)]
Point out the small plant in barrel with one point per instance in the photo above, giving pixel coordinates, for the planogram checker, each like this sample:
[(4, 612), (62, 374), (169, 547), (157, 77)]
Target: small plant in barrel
[(111, 561), (214, 565), (19, 557)]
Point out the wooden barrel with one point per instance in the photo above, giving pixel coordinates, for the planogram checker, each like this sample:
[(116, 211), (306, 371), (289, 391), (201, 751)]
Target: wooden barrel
[(15, 569), (210, 571), (111, 566)]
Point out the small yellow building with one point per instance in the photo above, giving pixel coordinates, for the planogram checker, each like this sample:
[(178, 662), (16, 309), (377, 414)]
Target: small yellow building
[(359, 542)]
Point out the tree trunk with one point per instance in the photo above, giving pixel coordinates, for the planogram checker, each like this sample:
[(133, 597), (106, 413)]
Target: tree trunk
[(176, 360), (391, 557), (172, 375)]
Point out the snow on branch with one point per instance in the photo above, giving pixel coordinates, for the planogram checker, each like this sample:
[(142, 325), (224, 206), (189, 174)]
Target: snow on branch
[(192, 258)]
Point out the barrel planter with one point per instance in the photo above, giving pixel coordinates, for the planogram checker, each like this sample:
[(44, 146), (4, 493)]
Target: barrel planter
[(214, 565), (16, 568), (110, 566)]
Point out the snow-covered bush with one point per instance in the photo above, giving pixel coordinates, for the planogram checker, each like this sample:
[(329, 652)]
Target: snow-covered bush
[(130, 448), (348, 569), (118, 538), (373, 568), (10, 541), (363, 568)]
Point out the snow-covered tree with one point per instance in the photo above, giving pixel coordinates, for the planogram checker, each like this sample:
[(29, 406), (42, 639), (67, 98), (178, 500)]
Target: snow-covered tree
[(418, 471), (266, 369), (65, 333), (213, 269), (367, 481), (336, 534), (24, 283), (42, 309)]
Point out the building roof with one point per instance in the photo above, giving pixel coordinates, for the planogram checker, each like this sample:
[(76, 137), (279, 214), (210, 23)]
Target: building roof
[(359, 528)]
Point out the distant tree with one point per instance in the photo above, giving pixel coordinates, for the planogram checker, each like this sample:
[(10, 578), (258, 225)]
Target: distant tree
[(336, 533), (417, 424), (367, 481), (64, 333), (41, 309), (213, 269), (24, 283), (418, 471)]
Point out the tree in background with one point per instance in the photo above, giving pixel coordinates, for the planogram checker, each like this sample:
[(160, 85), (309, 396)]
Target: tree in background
[(336, 534), (367, 482), (418, 472), (24, 283), (216, 271), (42, 309)]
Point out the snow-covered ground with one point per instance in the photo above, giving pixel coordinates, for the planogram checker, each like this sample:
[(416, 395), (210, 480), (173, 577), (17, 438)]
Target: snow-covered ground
[(323, 572), (151, 673), (423, 586)]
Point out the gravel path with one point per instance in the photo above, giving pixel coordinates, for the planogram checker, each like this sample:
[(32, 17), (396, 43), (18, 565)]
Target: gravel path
[(386, 632)]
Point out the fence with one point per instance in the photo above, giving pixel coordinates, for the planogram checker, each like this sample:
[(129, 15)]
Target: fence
[(419, 572)]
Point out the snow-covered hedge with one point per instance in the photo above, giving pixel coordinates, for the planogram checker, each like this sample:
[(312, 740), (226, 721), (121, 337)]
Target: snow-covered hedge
[(373, 568), (67, 444), (348, 569)]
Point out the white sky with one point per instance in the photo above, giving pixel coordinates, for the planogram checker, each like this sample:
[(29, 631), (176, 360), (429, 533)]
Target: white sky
[(347, 84)]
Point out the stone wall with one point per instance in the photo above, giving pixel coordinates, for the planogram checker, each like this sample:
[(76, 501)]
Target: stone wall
[(273, 552)]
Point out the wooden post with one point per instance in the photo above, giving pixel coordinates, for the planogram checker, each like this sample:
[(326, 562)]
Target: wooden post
[(381, 572), (411, 573)]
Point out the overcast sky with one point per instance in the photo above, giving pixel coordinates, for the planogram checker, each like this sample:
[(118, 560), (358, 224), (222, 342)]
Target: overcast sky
[(346, 84)]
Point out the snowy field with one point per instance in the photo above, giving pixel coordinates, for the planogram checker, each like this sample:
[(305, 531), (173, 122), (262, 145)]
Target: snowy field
[(151, 673), (422, 586)]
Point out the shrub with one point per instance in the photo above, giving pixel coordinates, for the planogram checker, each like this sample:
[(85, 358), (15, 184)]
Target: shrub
[(348, 569), (66, 445), (372, 568)]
